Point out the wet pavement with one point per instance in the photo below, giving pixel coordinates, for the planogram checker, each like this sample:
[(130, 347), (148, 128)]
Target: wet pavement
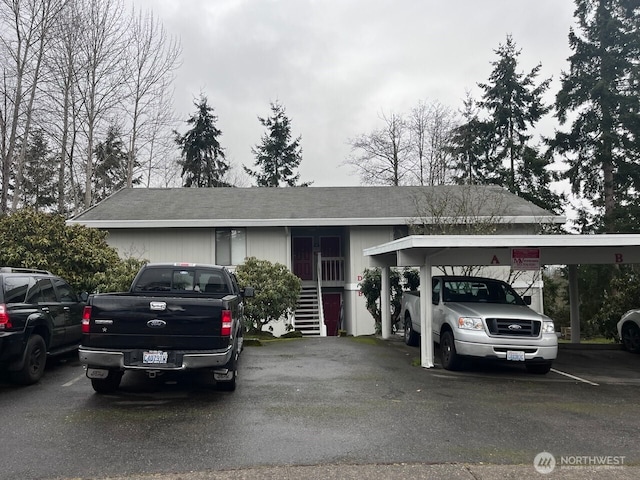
[(332, 408)]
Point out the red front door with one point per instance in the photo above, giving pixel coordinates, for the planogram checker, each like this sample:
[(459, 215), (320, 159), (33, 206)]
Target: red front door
[(331, 305), (303, 257)]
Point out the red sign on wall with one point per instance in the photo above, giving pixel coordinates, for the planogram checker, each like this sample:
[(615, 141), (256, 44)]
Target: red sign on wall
[(525, 258)]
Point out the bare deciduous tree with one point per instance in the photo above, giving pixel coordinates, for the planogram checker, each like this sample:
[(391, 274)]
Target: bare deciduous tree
[(70, 68), (430, 126), (60, 101), (468, 210), (460, 210), (380, 156), (153, 56), (103, 48), (408, 150), (26, 27)]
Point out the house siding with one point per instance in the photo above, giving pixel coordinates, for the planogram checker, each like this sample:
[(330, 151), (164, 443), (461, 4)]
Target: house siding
[(272, 244), (165, 244), (358, 321)]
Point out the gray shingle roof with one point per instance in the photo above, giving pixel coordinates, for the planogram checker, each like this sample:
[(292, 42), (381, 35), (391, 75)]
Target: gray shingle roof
[(139, 207)]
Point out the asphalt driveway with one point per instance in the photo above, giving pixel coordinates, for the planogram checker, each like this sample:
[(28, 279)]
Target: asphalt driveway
[(332, 405)]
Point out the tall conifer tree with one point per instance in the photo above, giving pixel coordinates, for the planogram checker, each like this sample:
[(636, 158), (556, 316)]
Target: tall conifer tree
[(495, 148), (515, 105), (600, 98), (110, 172), (38, 184), (277, 156), (202, 157)]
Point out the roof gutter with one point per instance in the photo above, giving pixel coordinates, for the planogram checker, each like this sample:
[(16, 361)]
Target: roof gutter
[(300, 222)]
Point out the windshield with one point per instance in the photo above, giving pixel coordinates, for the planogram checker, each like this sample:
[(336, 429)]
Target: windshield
[(480, 291)]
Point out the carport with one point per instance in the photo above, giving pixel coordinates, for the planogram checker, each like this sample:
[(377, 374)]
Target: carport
[(518, 251)]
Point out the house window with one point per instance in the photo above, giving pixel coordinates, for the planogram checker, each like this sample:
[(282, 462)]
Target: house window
[(231, 246)]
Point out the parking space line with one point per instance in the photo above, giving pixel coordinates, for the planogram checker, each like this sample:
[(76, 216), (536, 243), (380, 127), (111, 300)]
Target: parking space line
[(574, 377), (71, 382)]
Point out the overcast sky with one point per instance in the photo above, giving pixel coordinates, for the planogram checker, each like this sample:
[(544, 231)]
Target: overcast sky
[(336, 65)]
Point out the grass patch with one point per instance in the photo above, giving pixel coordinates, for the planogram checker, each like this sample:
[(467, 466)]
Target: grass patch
[(368, 340), (591, 341)]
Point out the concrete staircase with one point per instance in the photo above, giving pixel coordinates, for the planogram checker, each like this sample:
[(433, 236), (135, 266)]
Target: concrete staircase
[(307, 315)]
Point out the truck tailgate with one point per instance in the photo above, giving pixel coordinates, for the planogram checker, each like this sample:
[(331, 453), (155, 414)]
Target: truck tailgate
[(131, 321)]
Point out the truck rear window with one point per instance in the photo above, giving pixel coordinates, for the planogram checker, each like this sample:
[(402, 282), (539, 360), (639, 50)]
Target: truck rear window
[(181, 280)]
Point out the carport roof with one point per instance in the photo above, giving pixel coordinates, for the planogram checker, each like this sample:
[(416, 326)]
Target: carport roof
[(300, 206), (498, 249)]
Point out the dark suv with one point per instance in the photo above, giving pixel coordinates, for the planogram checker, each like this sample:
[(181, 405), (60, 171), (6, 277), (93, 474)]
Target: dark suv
[(40, 314)]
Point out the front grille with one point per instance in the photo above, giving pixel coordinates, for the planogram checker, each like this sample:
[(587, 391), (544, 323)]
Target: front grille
[(514, 327)]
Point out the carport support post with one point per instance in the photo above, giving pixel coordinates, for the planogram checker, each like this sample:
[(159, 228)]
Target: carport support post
[(385, 303), (574, 304), (426, 339)]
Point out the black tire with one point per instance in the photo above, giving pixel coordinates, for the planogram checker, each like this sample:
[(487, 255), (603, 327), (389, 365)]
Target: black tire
[(448, 355), (230, 385), (538, 368), (109, 384), (411, 338), (631, 337), (35, 361)]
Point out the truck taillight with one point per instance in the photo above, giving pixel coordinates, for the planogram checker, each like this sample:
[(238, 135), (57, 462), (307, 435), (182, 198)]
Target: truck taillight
[(5, 321), (226, 323), (86, 317)]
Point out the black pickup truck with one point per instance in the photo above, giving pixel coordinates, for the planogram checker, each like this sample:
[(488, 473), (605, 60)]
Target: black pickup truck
[(175, 317)]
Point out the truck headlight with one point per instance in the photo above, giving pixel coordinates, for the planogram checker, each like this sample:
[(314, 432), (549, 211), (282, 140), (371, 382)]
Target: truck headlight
[(470, 323), (548, 327)]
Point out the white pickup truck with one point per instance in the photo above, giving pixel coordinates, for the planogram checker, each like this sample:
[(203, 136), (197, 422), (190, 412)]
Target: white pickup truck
[(482, 317)]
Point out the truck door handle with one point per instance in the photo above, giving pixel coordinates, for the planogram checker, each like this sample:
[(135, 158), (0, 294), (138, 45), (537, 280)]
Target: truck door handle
[(45, 309)]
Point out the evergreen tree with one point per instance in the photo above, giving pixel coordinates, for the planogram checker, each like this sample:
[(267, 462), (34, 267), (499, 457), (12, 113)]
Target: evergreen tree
[(473, 149), (514, 104), (277, 157), (202, 157), (110, 174), (38, 184), (601, 91), (497, 149)]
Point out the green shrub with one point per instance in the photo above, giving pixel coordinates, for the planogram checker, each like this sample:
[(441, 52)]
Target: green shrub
[(276, 292), (78, 254), (370, 287)]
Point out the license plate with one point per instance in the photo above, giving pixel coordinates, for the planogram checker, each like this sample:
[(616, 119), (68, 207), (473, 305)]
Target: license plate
[(154, 356), (97, 373), (515, 355)]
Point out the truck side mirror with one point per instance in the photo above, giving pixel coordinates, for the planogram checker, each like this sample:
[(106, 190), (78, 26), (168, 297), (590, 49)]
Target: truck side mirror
[(527, 299), (435, 298), (248, 292)]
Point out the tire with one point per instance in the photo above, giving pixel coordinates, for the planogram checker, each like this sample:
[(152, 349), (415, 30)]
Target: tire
[(35, 361), (448, 355), (631, 337), (538, 368), (109, 384), (411, 338)]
